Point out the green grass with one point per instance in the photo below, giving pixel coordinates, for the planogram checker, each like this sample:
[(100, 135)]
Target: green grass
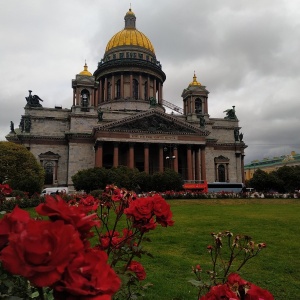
[(176, 249)]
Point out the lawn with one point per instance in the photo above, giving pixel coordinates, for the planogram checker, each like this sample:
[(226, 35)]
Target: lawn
[(176, 249)]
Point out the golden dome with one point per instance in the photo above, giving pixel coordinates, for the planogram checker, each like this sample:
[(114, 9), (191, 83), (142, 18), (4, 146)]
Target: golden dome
[(85, 71), (130, 36), (195, 82)]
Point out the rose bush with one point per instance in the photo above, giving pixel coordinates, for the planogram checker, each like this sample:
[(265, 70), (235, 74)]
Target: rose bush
[(223, 283), (57, 257), (237, 288), (57, 253)]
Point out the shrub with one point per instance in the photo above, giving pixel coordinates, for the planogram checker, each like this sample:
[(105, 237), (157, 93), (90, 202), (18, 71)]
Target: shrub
[(20, 169)]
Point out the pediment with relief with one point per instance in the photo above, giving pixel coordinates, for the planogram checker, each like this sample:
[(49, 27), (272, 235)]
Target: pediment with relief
[(153, 122)]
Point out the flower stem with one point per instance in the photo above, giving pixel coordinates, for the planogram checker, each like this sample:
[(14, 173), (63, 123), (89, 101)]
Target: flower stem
[(41, 293)]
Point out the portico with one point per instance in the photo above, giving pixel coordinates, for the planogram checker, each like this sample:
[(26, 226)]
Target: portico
[(163, 143)]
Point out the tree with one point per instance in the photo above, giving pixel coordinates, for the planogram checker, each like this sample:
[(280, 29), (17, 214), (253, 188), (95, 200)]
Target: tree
[(167, 181), (90, 179), (124, 177), (259, 181), (97, 178), (290, 176), (20, 169), (144, 182), (130, 179)]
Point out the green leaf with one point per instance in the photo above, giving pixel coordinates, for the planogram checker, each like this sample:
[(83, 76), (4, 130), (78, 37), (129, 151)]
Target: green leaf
[(196, 283), (35, 294)]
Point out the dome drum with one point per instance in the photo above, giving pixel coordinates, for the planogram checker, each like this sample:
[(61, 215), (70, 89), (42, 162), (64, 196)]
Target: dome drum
[(129, 65), (131, 54)]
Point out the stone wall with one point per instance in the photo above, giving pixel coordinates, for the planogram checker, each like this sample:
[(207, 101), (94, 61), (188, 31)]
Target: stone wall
[(81, 156), (234, 168), (48, 122), (62, 151)]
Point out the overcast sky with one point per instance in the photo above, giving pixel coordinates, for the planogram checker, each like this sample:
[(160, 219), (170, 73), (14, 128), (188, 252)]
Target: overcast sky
[(246, 53)]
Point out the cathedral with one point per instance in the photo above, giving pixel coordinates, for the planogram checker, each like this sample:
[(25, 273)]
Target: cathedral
[(118, 116)]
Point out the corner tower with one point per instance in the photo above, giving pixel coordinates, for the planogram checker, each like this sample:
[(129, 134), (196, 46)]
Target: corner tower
[(195, 99), (129, 73), (84, 90)]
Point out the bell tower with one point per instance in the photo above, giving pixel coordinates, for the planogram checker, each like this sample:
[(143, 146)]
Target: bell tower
[(84, 90), (195, 99)]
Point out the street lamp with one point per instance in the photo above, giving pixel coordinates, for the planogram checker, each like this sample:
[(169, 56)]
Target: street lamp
[(170, 157)]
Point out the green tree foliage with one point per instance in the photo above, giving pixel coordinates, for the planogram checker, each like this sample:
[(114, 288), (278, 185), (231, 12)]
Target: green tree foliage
[(124, 177), (167, 181), (259, 180), (90, 179), (290, 176), (20, 169), (144, 182), (285, 179)]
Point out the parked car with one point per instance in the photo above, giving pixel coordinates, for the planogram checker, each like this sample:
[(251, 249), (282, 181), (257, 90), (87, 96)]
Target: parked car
[(54, 190)]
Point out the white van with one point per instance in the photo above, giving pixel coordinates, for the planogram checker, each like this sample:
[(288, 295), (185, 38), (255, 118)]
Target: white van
[(54, 190)]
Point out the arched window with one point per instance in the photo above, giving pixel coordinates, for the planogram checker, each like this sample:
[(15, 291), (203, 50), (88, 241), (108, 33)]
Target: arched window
[(146, 91), (85, 98), (135, 89), (198, 106), (221, 173), (118, 86), (49, 170)]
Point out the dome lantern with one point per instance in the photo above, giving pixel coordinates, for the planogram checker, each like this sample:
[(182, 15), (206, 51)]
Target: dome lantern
[(130, 36), (130, 19), (85, 71)]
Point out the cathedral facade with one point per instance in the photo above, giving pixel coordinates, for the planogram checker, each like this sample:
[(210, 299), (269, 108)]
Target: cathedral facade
[(118, 117)]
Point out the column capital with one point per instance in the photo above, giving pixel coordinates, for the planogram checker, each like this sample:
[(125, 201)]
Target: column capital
[(97, 144)]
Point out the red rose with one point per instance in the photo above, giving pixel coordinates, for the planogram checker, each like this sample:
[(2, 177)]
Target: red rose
[(162, 211), (145, 226), (88, 276), (117, 195), (5, 189), (234, 278), (138, 269), (257, 293), (58, 209), (252, 291), (41, 251), (12, 222), (114, 239), (107, 239), (119, 241), (89, 203), (221, 291), (140, 209)]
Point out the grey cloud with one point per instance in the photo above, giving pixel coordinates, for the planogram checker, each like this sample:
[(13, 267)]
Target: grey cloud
[(245, 52)]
